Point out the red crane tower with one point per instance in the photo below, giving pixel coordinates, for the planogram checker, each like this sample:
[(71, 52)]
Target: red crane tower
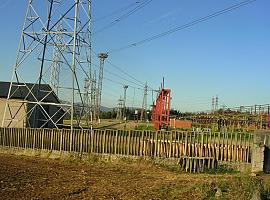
[(161, 108)]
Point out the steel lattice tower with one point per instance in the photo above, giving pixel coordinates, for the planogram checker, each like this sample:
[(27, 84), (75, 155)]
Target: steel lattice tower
[(55, 38), (213, 104), (216, 103), (56, 64), (102, 57), (120, 107)]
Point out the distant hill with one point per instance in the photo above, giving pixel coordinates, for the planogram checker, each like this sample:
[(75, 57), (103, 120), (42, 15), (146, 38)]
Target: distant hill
[(105, 109)]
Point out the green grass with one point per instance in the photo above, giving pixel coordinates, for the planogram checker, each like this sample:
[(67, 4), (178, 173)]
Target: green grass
[(148, 127)]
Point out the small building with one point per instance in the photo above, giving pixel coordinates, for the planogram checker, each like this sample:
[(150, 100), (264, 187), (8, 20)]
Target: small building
[(22, 110), (177, 123)]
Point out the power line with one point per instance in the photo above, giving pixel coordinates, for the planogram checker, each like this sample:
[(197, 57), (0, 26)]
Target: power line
[(117, 11), (140, 6), (117, 75), (123, 78), (119, 83), (115, 90), (129, 100), (124, 72), (185, 26), (140, 83), (132, 77)]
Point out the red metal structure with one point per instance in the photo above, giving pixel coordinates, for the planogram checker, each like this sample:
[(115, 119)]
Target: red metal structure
[(161, 109)]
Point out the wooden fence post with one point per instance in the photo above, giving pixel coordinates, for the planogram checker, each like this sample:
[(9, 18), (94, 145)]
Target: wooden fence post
[(128, 143), (115, 142), (18, 138), (106, 141), (186, 144), (81, 141), (158, 143), (51, 134), (231, 148), (110, 141), (218, 146), (137, 143), (170, 140), (248, 150), (26, 138), (61, 141), (34, 138), (4, 136), (70, 140), (91, 141), (42, 140)]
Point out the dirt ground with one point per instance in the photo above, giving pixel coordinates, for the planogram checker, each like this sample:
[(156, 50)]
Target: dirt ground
[(24, 177)]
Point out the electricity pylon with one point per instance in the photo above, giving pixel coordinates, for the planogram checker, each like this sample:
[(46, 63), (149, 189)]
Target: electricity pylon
[(120, 107), (56, 63), (54, 32)]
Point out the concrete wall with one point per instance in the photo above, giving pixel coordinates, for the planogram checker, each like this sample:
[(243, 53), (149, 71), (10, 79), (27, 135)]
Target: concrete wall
[(16, 109), (261, 152)]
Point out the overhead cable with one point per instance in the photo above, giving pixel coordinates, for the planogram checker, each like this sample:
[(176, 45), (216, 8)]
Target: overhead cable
[(124, 16), (117, 11), (185, 26)]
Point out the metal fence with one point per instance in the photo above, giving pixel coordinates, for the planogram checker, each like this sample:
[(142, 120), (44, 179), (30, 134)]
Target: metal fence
[(187, 146)]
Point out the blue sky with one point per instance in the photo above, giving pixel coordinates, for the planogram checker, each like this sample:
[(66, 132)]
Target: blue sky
[(226, 56)]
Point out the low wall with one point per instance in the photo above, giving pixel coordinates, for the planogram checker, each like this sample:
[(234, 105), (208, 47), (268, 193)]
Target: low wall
[(261, 152), (192, 150), (86, 157), (65, 155)]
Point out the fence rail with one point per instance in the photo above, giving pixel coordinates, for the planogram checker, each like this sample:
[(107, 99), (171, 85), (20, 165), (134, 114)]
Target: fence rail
[(191, 145)]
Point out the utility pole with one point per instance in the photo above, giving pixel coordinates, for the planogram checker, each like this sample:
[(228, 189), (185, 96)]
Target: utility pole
[(144, 104), (125, 98), (102, 57)]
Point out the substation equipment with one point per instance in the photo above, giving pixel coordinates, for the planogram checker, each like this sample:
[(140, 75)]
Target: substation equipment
[(161, 109)]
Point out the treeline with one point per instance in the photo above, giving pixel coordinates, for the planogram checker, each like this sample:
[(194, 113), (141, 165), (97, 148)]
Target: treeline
[(131, 114)]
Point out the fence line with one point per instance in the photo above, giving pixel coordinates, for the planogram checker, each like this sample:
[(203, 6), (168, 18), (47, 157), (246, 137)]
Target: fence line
[(192, 148)]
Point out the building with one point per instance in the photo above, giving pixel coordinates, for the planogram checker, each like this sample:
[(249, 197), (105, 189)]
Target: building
[(22, 109), (177, 123)]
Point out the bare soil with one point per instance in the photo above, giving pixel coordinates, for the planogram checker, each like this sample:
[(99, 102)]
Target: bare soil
[(24, 177)]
